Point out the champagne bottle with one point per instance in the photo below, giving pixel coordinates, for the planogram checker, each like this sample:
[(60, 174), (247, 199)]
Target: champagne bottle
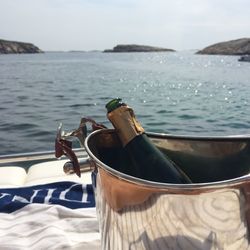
[(148, 161)]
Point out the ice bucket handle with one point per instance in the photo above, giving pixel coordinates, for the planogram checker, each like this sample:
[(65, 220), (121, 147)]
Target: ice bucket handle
[(86, 165)]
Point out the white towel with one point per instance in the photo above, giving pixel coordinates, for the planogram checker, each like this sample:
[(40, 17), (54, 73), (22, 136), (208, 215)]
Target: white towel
[(58, 216)]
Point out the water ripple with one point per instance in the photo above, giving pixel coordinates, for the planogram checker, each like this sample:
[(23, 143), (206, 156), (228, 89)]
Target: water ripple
[(17, 127), (77, 105), (180, 92), (188, 117)]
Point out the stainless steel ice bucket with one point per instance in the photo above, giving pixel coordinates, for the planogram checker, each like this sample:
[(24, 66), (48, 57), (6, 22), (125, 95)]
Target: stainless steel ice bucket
[(212, 213)]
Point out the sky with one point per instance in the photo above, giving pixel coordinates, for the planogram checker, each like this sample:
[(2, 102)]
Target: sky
[(62, 25)]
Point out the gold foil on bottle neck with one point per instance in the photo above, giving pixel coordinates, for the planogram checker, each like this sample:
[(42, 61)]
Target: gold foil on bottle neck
[(125, 123)]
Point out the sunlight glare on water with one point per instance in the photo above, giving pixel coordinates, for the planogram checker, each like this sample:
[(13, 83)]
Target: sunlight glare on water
[(179, 93)]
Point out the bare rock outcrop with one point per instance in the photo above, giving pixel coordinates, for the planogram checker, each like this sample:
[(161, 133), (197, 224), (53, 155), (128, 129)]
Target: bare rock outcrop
[(13, 47), (233, 47)]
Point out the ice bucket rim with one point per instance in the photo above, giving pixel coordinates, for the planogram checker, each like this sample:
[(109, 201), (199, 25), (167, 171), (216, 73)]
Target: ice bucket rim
[(170, 186)]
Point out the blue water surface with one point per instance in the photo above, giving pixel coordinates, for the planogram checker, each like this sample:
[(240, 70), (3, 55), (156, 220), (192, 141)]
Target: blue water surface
[(172, 92)]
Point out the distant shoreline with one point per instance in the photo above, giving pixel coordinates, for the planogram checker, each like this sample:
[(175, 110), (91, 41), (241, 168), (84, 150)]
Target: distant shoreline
[(233, 47)]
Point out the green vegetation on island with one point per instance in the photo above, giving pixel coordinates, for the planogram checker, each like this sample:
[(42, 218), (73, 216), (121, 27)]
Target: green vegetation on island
[(137, 48)]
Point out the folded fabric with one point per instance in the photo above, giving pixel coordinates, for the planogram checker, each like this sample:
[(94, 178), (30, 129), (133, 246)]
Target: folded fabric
[(58, 215)]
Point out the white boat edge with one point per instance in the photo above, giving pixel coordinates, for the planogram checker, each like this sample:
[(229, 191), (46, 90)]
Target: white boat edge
[(35, 168)]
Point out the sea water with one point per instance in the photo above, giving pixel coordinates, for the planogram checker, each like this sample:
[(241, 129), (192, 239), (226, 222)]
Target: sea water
[(171, 92)]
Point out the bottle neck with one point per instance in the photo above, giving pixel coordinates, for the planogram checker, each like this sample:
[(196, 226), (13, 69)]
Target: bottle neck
[(114, 104), (125, 123)]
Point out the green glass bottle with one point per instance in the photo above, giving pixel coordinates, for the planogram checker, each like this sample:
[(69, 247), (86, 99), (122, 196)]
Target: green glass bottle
[(148, 161)]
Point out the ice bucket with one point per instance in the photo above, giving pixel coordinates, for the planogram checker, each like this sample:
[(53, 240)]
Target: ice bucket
[(211, 213)]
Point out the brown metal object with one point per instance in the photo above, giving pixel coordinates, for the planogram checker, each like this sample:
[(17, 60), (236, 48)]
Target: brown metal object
[(63, 145), (120, 193)]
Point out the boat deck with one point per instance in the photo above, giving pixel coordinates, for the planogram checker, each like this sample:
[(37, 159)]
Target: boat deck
[(36, 168)]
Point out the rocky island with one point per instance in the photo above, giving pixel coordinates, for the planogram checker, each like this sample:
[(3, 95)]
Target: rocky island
[(13, 47), (233, 47), (137, 48)]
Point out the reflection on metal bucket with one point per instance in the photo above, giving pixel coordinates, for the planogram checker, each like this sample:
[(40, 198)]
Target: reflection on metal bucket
[(212, 213), (207, 221)]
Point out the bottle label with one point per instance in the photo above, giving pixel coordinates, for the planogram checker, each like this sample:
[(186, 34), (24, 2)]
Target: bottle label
[(127, 127)]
